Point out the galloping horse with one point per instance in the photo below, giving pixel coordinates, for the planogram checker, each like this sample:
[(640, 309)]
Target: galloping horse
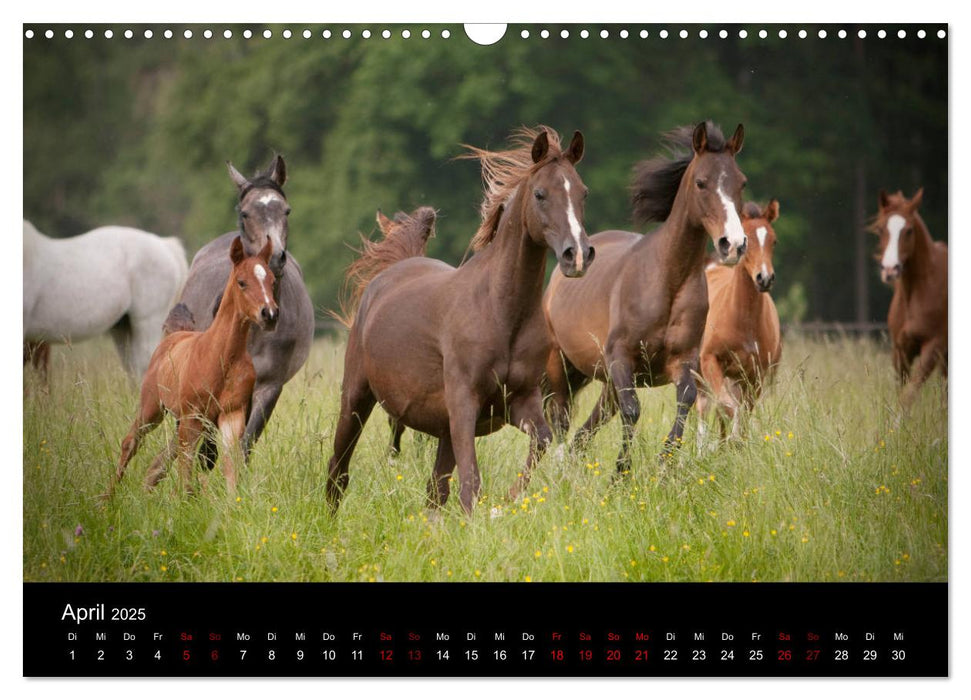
[(405, 236), (743, 341), (277, 356), (916, 266), (637, 319), (459, 352), (113, 278), (206, 378)]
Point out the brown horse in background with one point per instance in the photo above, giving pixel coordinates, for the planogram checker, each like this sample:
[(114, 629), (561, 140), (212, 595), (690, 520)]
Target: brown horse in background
[(742, 344), (459, 352), (206, 378), (916, 266), (405, 236), (637, 319)]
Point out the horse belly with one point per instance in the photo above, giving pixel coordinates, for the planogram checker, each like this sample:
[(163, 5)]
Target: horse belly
[(75, 309)]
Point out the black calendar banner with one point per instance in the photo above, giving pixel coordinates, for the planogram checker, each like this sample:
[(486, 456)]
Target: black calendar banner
[(400, 629)]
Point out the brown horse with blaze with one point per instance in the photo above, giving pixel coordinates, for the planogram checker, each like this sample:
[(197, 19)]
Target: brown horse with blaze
[(206, 378), (638, 317), (916, 266), (743, 340), (459, 352)]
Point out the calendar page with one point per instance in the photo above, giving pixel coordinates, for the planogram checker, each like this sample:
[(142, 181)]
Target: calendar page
[(489, 350)]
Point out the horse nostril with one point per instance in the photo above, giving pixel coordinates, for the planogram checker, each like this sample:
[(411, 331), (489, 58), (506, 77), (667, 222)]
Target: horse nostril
[(591, 254), (771, 279), (569, 255), (283, 258), (724, 246), (741, 248)]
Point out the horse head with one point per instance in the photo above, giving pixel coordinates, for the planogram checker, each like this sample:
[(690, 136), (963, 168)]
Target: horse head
[(263, 211), (553, 201), (251, 284), (714, 186), (895, 225), (760, 243)]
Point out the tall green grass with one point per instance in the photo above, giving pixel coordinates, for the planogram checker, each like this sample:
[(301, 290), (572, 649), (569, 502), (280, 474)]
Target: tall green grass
[(821, 488)]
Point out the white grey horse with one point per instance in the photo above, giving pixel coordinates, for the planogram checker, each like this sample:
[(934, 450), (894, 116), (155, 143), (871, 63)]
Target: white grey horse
[(113, 278), (277, 354)]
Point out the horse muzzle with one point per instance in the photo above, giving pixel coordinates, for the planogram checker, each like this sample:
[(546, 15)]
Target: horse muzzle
[(730, 253), (764, 282), (269, 317), (574, 264), (890, 273)]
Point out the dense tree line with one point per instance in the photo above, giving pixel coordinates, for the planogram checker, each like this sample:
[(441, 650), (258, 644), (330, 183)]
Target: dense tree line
[(136, 131)]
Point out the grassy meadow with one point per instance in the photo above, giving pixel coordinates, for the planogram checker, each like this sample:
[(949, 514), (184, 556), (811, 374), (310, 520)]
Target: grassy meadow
[(821, 488)]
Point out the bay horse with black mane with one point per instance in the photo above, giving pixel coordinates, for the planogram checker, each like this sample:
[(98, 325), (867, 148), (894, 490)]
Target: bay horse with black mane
[(459, 352), (638, 317), (206, 378), (742, 344), (916, 266)]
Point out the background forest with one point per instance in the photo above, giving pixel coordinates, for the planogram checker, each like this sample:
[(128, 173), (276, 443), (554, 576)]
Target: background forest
[(137, 131)]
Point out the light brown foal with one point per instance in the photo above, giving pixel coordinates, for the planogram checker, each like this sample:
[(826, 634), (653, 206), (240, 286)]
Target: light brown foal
[(743, 341), (206, 378), (916, 266)]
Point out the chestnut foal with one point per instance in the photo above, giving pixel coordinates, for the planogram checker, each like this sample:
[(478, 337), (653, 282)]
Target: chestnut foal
[(743, 341), (206, 378), (916, 266)]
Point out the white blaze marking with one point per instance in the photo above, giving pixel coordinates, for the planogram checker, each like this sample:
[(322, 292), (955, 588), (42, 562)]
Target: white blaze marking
[(260, 273), (761, 232), (733, 225), (575, 228), (765, 272), (891, 256), (268, 197)]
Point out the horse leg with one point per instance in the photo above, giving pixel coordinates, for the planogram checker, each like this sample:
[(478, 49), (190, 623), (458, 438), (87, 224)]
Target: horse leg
[(231, 427), (625, 398), (144, 335), (463, 412), (149, 416), (397, 430), (156, 472), (189, 430), (357, 402), (686, 390), (559, 401), (264, 401), (438, 486), (718, 394), (925, 365), (526, 413), (121, 335), (605, 409)]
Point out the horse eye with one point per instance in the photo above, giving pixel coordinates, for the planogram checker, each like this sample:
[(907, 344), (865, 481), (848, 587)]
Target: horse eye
[(244, 214), (540, 195), (242, 284), (700, 184), (744, 185), (287, 212)]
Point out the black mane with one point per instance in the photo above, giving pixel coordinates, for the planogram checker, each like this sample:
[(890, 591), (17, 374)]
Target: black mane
[(656, 180)]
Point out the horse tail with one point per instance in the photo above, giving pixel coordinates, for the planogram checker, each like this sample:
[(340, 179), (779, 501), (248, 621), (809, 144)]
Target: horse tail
[(406, 236), (179, 319)]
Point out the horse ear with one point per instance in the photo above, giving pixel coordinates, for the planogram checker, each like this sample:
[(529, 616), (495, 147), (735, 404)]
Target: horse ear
[(236, 252), (236, 176), (267, 251), (574, 153), (771, 212), (883, 199), (384, 223), (917, 199), (541, 146), (278, 170), (699, 138), (735, 143)]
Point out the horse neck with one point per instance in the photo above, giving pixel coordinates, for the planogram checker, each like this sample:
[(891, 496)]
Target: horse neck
[(683, 243), (917, 270), (517, 266), (229, 332)]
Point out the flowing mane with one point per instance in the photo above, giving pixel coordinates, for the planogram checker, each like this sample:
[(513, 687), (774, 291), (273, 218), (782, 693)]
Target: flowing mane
[(503, 172), (656, 180)]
